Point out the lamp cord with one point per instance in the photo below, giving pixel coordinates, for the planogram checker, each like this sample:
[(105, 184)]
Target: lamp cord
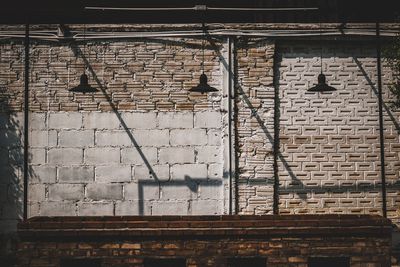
[(84, 47), (320, 39), (202, 46)]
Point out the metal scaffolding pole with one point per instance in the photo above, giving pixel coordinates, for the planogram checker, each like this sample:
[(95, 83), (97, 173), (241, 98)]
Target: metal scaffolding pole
[(381, 122)]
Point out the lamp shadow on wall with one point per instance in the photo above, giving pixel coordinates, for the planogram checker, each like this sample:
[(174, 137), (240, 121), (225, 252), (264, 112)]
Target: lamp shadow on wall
[(367, 187), (297, 186), (78, 53), (254, 113), (192, 184)]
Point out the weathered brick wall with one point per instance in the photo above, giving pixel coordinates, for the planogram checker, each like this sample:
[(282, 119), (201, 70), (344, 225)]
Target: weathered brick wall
[(255, 125), (142, 145), (330, 141), (84, 154)]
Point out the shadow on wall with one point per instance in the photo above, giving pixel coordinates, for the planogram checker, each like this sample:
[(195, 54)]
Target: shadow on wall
[(78, 53), (11, 177), (191, 184), (296, 186), (358, 187)]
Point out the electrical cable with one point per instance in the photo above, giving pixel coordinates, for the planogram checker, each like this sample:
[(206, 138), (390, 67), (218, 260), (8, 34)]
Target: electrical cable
[(199, 8), (219, 32)]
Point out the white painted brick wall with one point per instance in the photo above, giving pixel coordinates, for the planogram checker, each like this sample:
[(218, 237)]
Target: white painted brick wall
[(103, 191), (58, 208), (188, 137), (126, 208), (65, 156), (43, 174), (75, 174), (170, 120), (135, 120), (95, 209), (182, 171), (157, 173), (113, 173), (118, 138), (76, 138), (208, 119), (132, 155), (63, 120), (100, 120), (170, 207), (151, 137), (94, 162), (174, 155), (61, 192), (102, 156)]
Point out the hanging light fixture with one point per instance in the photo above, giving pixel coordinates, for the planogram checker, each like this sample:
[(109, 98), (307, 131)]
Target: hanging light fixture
[(321, 86), (203, 86), (84, 86)]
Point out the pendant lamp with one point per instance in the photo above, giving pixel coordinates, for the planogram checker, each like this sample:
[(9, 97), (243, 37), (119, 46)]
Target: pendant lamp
[(203, 86), (84, 86), (321, 86)]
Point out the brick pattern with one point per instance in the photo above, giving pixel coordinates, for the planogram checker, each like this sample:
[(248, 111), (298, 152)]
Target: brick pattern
[(90, 164), (282, 240), (255, 125), (134, 75), (329, 159)]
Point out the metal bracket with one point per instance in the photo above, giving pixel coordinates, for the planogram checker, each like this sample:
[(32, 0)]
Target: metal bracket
[(200, 7)]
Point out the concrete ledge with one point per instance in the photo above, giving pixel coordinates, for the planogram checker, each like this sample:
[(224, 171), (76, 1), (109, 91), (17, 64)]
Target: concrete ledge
[(206, 226)]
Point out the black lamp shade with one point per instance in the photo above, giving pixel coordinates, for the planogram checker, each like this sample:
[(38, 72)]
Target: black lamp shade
[(83, 86), (322, 86), (203, 86)]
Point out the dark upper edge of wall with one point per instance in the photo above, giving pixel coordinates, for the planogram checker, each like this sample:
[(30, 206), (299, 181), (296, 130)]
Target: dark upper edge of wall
[(46, 11)]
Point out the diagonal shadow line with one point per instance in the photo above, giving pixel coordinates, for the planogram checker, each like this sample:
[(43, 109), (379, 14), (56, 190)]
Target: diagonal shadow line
[(375, 90), (78, 52), (253, 110), (270, 138)]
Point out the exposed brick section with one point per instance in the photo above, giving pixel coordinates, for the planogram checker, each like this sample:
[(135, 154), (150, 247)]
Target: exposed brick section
[(134, 75), (330, 141), (283, 240), (255, 125)]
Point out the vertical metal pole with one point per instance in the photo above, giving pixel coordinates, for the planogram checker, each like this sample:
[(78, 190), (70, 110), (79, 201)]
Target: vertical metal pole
[(231, 174), (26, 122), (276, 137), (381, 125), (235, 119)]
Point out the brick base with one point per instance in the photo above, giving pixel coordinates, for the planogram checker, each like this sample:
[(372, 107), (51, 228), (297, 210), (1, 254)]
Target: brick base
[(206, 240)]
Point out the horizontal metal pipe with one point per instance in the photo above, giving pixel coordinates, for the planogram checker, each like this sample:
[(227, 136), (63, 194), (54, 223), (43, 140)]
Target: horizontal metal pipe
[(199, 8), (122, 35)]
